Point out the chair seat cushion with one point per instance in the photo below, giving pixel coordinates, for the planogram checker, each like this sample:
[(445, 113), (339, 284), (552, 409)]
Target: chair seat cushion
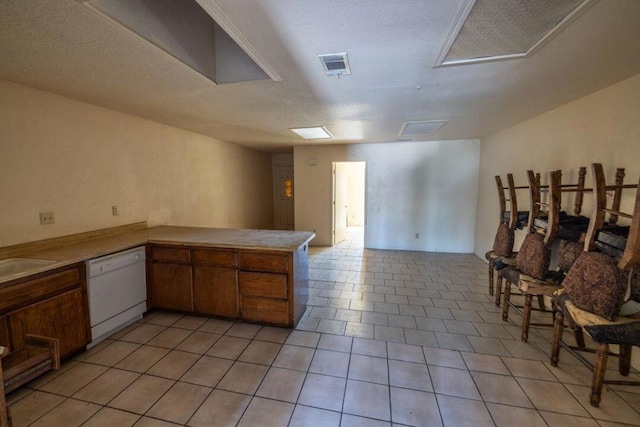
[(624, 333), (511, 274), (625, 330), (503, 242), (568, 253), (534, 256), (596, 284)]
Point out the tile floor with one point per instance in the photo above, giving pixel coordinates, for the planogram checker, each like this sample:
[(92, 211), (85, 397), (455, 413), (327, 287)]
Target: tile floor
[(407, 338)]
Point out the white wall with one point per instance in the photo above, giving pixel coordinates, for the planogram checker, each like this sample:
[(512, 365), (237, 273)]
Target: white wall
[(76, 159), (603, 127), (428, 188)]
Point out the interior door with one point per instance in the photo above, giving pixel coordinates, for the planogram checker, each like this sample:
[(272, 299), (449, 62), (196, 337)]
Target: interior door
[(340, 198), (283, 197)]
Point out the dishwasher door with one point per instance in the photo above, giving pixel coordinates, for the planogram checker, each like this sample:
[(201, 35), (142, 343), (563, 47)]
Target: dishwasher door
[(117, 291)]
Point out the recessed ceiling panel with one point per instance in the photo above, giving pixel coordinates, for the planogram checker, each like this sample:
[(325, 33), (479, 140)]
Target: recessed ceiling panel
[(184, 30), (500, 29)]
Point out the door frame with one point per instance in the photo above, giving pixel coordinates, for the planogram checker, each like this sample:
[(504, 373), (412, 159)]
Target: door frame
[(333, 199)]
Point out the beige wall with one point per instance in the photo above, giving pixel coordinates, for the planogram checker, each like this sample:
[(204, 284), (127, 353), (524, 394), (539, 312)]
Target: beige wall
[(76, 159), (313, 189), (603, 127)]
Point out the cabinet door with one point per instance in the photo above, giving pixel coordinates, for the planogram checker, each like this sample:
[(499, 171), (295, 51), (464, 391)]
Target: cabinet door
[(171, 286), (62, 317), (216, 291)]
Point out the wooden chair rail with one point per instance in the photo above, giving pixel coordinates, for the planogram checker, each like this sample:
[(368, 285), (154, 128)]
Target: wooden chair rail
[(39, 355)]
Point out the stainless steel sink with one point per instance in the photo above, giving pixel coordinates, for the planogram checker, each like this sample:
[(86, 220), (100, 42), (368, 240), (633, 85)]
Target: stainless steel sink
[(10, 266)]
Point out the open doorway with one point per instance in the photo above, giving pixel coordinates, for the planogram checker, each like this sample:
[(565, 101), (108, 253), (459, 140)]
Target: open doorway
[(348, 203)]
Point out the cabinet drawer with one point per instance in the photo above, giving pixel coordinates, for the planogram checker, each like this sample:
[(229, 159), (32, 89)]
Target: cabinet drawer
[(263, 284), (163, 253), (214, 258), (36, 289), (277, 263), (265, 310)]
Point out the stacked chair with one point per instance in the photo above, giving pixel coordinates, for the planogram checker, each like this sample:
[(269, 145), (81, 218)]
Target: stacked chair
[(502, 253), (531, 274), (596, 287)]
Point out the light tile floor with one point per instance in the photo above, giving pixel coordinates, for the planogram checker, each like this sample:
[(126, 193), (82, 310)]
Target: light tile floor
[(407, 338)]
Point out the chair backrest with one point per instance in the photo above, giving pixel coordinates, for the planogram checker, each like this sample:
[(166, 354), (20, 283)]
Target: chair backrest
[(534, 199), (600, 209), (505, 235), (512, 211)]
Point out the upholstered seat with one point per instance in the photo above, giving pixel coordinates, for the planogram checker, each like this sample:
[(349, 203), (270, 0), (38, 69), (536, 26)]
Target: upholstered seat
[(595, 290)]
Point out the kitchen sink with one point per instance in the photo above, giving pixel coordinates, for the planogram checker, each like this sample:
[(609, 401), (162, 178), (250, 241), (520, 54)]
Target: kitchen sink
[(10, 266)]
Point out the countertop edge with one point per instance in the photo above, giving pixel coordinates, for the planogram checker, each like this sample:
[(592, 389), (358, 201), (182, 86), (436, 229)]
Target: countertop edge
[(108, 245)]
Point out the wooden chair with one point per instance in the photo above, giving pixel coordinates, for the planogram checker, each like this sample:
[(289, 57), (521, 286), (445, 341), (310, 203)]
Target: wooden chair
[(510, 220), (37, 356), (569, 227), (596, 283), (532, 263), (531, 275)]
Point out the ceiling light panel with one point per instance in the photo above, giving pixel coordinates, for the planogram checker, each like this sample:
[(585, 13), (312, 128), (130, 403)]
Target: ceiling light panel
[(500, 29), (317, 132)]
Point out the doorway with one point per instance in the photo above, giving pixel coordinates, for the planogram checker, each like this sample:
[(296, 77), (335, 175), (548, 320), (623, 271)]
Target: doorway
[(283, 197), (348, 203)]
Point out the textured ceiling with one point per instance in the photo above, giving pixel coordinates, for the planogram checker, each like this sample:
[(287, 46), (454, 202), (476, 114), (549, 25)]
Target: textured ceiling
[(64, 47)]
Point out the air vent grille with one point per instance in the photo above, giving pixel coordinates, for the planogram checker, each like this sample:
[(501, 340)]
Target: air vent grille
[(411, 129), (335, 64)]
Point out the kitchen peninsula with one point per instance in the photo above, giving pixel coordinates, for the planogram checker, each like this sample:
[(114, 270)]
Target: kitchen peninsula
[(253, 275)]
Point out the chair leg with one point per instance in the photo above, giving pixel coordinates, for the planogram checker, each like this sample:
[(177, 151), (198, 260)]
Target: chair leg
[(578, 333), (599, 369), (490, 278), (541, 303), (625, 359), (505, 301), (526, 317), (558, 328), (498, 291)]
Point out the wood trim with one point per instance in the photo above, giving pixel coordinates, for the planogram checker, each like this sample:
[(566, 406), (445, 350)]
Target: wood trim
[(502, 201), (25, 248)]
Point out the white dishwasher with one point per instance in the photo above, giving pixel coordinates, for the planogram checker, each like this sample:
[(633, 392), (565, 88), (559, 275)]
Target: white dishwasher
[(117, 290)]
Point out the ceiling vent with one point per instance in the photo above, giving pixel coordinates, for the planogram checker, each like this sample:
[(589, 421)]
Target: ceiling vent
[(490, 30), (412, 129), (335, 64)]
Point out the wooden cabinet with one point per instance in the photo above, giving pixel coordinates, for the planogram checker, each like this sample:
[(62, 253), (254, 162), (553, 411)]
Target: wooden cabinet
[(58, 317), (254, 285), (170, 279), (265, 287), (52, 304)]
